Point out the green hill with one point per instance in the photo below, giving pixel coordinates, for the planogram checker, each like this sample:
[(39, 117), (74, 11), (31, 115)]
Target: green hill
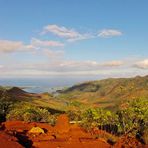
[(107, 93), (16, 95)]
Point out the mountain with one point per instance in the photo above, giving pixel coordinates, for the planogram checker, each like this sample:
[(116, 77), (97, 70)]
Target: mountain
[(108, 93), (12, 94), (16, 91), (16, 95)]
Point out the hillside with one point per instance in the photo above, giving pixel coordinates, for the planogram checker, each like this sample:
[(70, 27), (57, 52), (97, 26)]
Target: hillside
[(15, 95), (95, 113), (107, 93)]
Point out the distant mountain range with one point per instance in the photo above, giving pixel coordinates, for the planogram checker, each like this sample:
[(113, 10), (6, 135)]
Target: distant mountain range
[(108, 93)]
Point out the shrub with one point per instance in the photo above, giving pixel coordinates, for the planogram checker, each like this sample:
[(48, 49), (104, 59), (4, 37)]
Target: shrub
[(4, 108), (30, 113), (74, 115), (134, 118), (98, 118)]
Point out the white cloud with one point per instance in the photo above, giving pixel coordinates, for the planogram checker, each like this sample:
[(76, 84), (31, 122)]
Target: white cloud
[(73, 35), (45, 43), (113, 63), (40, 52), (87, 65), (63, 67), (36, 46), (66, 66), (69, 34), (7, 46), (142, 64), (99, 73), (109, 33), (61, 31)]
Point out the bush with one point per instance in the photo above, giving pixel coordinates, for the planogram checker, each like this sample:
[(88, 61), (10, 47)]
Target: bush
[(99, 118), (74, 115), (30, 113), (4, 108), (134, 118)]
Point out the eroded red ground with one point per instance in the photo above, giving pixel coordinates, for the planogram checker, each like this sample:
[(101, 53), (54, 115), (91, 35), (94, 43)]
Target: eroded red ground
[(15, 134)]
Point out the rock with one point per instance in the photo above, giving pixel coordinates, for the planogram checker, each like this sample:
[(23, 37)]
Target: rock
[(36, 130)]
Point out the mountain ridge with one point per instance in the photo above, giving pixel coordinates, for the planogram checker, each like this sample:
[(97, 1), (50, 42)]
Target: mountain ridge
[(111, 91)]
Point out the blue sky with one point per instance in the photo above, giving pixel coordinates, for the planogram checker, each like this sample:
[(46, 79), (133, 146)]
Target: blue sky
[(104, 38)]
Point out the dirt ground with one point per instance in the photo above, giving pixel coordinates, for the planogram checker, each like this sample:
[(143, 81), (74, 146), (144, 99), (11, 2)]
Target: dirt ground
[(19, 134)]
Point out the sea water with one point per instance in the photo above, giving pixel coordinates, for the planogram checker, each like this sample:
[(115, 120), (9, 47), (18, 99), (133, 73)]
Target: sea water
[(39, 85)]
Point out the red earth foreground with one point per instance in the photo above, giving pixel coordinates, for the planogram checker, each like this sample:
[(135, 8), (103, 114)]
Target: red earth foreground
[(19, 134)]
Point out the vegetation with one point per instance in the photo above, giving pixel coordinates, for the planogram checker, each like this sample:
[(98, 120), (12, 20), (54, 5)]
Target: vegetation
[(101, 119), (107, 93), (132, 119), (118, 106), (30, 113), (4, 109)]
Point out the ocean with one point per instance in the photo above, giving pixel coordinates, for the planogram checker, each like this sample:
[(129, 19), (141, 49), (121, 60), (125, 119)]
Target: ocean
[(39, 85)]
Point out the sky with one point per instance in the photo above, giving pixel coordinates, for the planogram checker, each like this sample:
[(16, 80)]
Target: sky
[(73, 38)]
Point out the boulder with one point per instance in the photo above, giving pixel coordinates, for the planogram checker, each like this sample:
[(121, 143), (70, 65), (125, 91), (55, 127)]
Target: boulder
[(36, 130)]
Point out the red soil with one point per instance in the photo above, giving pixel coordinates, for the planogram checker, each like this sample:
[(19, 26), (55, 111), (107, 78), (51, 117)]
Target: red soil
[(7, 141), (62, 124), (62, 135)]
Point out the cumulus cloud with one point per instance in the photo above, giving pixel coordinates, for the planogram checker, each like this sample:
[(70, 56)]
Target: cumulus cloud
[(109, 33), (69, 34), (7, 46), (45, 43), (36, 46), (142, 64)]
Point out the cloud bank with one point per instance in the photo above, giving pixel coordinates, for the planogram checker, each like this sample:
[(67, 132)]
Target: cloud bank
[(142, 64)]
